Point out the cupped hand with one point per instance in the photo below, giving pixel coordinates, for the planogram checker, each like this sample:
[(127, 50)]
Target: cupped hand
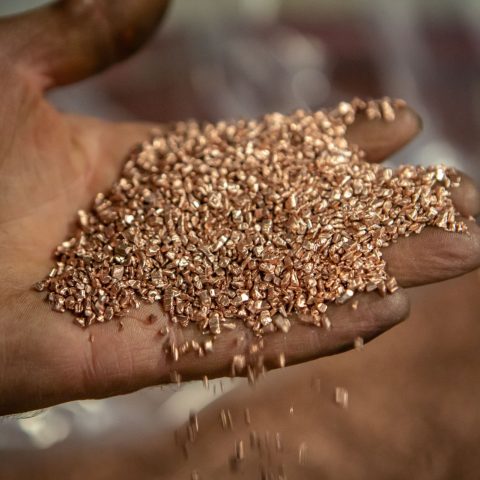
[(52, 164)]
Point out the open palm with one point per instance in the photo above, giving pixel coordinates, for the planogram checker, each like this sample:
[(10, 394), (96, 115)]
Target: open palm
[(52, 164)]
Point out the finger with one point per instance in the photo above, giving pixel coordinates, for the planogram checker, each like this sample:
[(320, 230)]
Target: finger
[(433, 255), (373, 316), (73, 39), (466, 197), (380, 139), (136, 357)]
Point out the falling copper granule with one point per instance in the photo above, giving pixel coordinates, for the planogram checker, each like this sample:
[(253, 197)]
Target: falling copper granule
[(193, 420), (163, 330), (229, 419), (191, 434), (302, 453), (358, 343), (223, 419), (341, 397), (238, 456), (195, 475), (247, 221), (253, 439), (278, 442), (248, 419), (175, 377), (239, 450)]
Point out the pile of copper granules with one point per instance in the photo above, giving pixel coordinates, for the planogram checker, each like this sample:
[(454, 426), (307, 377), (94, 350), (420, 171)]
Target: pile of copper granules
[(247, 221)]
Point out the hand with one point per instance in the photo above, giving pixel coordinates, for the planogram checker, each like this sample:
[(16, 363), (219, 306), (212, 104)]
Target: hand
[(52, 164)]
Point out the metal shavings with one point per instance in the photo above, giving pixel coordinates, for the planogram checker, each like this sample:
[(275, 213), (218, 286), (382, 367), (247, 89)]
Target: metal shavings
[(341, 397), (247, 222)]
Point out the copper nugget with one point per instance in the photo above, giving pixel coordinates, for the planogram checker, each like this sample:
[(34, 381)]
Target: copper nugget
[(244, 223)]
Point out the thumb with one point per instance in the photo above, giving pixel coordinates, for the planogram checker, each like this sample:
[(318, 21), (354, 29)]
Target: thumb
[(72, 39)]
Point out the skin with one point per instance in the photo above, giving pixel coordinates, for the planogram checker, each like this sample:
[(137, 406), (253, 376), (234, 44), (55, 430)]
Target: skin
[(53, 163)]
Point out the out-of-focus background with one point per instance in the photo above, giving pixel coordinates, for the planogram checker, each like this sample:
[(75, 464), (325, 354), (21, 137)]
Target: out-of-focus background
[(221, 59)]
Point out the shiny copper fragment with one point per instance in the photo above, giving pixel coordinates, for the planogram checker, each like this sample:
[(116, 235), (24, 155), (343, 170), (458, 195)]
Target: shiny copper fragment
[(247, 222)]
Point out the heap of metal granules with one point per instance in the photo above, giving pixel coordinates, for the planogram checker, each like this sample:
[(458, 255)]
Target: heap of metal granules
[(247, 221)]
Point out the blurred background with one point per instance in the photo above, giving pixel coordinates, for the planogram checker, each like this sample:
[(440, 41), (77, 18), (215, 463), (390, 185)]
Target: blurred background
[(215, 60)]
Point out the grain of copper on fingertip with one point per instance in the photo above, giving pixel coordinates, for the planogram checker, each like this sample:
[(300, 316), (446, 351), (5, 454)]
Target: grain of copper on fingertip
[(245, 223)]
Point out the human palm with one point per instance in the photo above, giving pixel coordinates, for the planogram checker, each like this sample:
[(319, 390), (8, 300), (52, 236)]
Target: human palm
[(52, 164)]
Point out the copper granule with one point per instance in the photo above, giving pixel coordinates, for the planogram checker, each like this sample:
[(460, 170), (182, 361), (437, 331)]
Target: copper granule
[(302, 453), (239, 450), (341, 397), (278, 441), (247, 221), (248, 419), (358, 343), (223, 419)]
